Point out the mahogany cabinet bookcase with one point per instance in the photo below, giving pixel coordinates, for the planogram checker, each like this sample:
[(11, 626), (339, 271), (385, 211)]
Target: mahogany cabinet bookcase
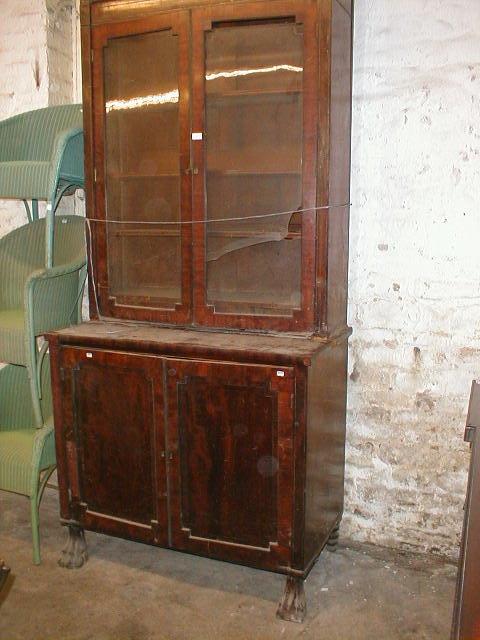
[(203, 406)]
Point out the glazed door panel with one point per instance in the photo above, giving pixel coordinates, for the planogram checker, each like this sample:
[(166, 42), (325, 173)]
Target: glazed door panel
[(254, 118), (230, 450), (143, 186), (115, 442)]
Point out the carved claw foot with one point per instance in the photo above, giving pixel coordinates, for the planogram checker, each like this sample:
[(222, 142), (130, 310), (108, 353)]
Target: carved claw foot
[(75, 554), (332, 542), (293, 605)]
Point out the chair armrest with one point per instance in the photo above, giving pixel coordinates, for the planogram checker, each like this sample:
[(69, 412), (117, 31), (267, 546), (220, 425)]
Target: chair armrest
[(54, 272), (52, 296), (62, 140)]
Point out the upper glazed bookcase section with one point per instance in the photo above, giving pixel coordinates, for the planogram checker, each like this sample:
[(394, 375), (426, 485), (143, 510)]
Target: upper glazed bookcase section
[(218, 182)]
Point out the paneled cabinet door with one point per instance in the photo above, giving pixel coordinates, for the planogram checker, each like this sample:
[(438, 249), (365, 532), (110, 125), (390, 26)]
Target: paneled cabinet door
[(113, 442), (230, 434)]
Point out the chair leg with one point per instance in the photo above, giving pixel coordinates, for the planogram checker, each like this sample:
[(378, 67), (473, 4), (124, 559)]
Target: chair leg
[(35, 528), (33, 373), (38, 488), (49, 234), (37, 408), (34, 209)]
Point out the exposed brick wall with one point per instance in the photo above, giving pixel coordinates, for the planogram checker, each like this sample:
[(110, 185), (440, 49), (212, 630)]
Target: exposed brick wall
[(415, 265), (36, 70), (23, 75), (59, 51)]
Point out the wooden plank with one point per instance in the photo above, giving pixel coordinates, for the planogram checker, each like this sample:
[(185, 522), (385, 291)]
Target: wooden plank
[(339, 171), (466, 622), (325, 455), (193, 343)]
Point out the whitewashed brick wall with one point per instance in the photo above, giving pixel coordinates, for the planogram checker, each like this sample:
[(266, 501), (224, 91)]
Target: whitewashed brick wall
[(23, 74), (415, 269), (59, 51)]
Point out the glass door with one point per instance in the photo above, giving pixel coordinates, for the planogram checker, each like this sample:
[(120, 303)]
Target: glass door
[(143, 187), (254, 148)]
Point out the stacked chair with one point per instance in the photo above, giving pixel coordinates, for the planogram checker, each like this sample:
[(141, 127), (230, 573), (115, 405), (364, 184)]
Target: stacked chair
[(42, 276)]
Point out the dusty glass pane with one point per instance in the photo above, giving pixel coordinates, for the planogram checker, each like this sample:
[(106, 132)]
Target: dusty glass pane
[(254, 116), (142, 168)]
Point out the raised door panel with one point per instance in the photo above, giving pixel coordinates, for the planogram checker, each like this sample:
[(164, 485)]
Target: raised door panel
[(140, 77), (114, 441), (230, 448)]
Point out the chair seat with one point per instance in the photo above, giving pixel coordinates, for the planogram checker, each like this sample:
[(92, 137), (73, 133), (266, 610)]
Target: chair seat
[(16, 460), (12, 337), (25, 179)]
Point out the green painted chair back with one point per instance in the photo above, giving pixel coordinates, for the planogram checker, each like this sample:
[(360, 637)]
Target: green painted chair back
[(36, 149), (41, 158), (34, 300)]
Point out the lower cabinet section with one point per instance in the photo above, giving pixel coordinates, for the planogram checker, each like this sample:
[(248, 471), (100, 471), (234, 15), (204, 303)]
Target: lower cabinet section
[(209, 456), (188, 454)]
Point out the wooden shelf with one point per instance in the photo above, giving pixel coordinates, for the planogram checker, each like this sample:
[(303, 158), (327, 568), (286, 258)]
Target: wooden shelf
[(244, 297), (218, 95), (252, 172), (137, 176), (169, 295), (145, 233), (274, 162), (169, 233)]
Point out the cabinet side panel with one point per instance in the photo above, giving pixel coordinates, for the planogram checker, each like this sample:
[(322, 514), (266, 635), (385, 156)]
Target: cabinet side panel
[(88, 154), (61, 426), (327, 386), (339, 189)]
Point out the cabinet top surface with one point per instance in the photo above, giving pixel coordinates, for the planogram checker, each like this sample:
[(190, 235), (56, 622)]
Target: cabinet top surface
[(169, 341)]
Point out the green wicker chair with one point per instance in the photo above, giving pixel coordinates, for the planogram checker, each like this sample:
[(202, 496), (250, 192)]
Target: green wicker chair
[(27, 453), (33, 299), (41, 157)]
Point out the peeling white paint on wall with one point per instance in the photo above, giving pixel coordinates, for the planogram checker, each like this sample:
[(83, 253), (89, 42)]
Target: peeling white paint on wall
[(414, 271), (415, 263), (23, 75)]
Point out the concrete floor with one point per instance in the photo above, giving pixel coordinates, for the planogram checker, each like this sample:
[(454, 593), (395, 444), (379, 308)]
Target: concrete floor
[(130, 591)]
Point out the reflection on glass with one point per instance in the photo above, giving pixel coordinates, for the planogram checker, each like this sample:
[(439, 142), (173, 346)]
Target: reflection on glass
[(254, 113), (173, 96), (142, 169)]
